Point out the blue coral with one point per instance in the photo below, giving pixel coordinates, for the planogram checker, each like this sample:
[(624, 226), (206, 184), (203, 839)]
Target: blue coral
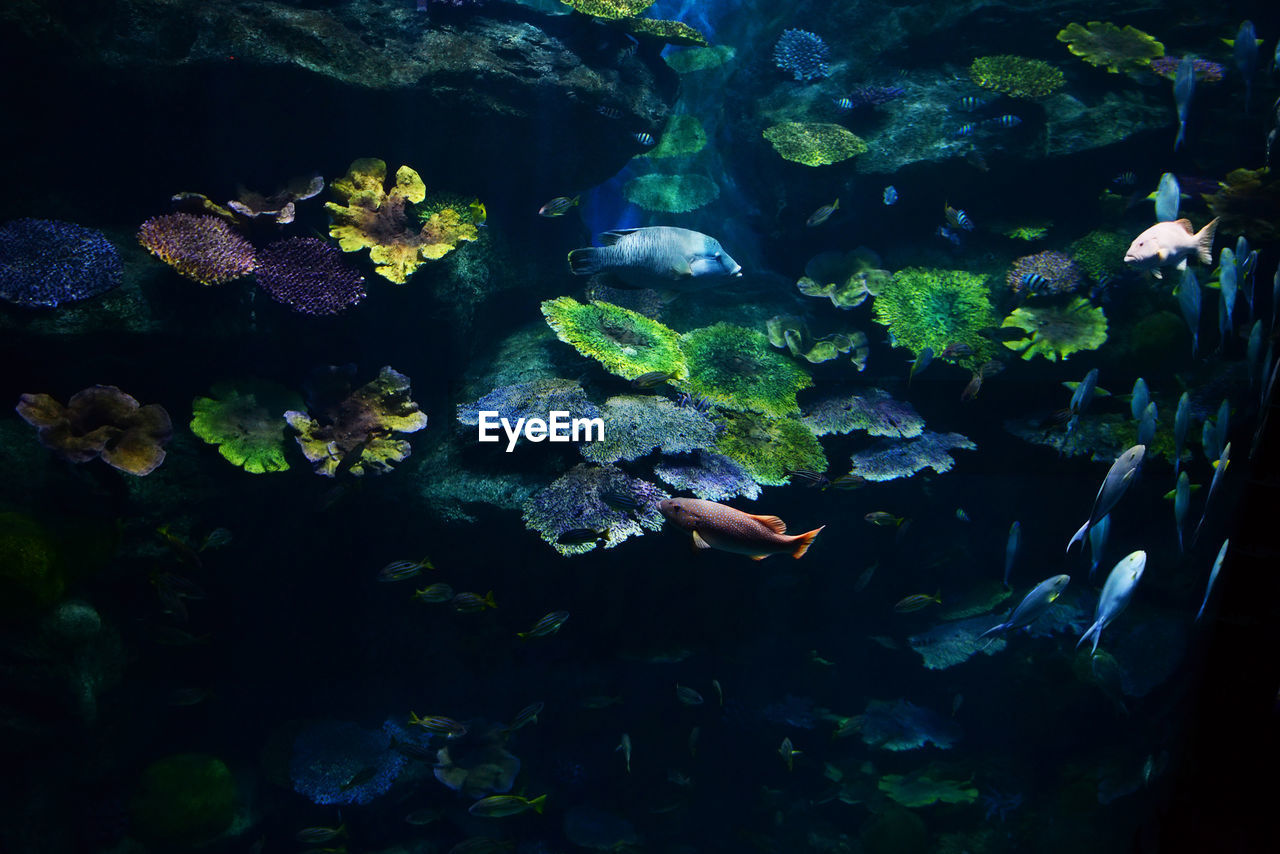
[(535, 399), (328, 755), (902, 725), (710, 476), (802, 54), (47, 262)]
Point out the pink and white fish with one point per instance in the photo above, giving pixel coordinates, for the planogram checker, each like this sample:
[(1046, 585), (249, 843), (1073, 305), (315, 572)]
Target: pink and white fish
[(1170, 244), (718, 526)]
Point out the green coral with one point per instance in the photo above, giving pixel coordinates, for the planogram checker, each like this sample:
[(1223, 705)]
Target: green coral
[(919, 789), (814, 143), (768, 448), (1058, 331), (792, 334), (699, 58), (1029, 232), (1100, 253), (736, 368), (246, 422), (624, 342), (847, 279), (671, 193), (683, 136), (1016, 76), (636, 425), (1104, 45), (671, 32), (32, 576), (184, 800), (610, 10), (936, 308)]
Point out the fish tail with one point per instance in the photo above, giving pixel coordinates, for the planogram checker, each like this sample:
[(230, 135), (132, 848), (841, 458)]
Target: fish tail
[(1182, 135), (1079, 535), (803, 541), (996, 629), (538, 803), (585, 262), (488, 600), (1204, 241), (1094, 631)]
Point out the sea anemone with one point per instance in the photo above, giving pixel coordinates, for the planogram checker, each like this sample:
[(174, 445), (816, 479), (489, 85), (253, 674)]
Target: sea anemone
[(1058, 331)]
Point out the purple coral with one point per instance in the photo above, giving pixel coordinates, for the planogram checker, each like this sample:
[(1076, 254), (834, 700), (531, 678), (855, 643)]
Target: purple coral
[(802, 54), (47, 262), (309, 276), (200, 247), (890, 459), (710, 476), (575, 501), (330, 757), (1206, 70), (1048, 272), (537, 398), (876, 412)]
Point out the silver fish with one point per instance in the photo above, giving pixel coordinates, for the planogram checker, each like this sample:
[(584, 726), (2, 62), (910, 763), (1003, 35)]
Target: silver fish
[(1184, 85), (1181, 502), (1147, 426), (1032, 605), (1189, 303), (1141, 397), (1222, 424), (1168, 197), (1011, 549), (657, 256), (1121, 474), (1181, 421), (1228, 287), (1115, 595), (1098, 543), (1220, 468), (1209, 440), (1213, 576)]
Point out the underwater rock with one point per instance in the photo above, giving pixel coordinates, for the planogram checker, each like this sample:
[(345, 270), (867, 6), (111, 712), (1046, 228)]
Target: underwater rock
[(101, 421), (902, 725), (710, 476), (890, 459), (574, 502), (636, 425), (46, 262), (949, 644), (184, 800), (330, 757), (875, 412)]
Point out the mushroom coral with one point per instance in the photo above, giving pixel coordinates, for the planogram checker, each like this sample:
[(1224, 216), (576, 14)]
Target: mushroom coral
[(625, 342), (768, 448), (936, 308), (1057, 331), (245, 421), (368, 216), (814, 143), (101, 421), (1016, 76), (736, 368), (1104, 45), (355, 431)]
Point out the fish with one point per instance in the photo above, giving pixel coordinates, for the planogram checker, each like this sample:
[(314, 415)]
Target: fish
[(657, 256), (687, 696), (1147, 426), (916, 602), (1167, 197), (948, 235), (600, 702), (1011, 549), (1126, 178), (1098, 543), (625, 746), (957, 350), (1213, 577), (847, 481), (439, 725), (883, 519), (1244, 50), (1181, 502), (1032, 605), (435, 593), (964, 130), (1228, 287), (472, 603), (180, 547), (1222, 423), (694, 401), (971, 390), (478, 213), (844, 105), (1181, 420), (623, 502), (961, 515), (652, 379), (609, 112), (1006, 121), (581, 536), (1189, 305), (559, 206), (1184, 86), (1255, 358), (218, 538), (399, 570), (788, 753), (1116, 592), (809, 478), (694, 734), (1209, 440), (715, 683), (1219, 469), (1139, 399), (822, 214), (922, 361), (957, 218), (1171, 244), (890, 195), (1034, 282), (414, 750), (359, 778), (971, 103), (424, 816), (548, 625), (644, 138), (864, 577), (502, 806), (524, 717), (1121, 474), (320, 835), (719, 526)]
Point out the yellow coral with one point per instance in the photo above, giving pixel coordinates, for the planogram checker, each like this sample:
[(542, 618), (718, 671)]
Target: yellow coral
[(1116, 49), (814, 143), (1016, 76)]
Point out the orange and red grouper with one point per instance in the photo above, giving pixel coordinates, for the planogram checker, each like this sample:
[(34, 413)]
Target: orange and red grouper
[(718, 526)]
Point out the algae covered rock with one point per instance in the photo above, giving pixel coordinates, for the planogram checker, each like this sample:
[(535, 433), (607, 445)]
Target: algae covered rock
[(183, 800)]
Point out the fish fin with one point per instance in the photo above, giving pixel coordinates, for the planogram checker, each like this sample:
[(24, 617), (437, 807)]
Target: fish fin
[(777, 525), (538, 803), (699, 543), (758, 557), (682, 269), (835, 206), (997, 628), (1182, 265), (1079, 535), (585, 262), (803, 541), (1162, 254), (1185, 223), (1204, 241), (608, 238), (1094, 631), (1156, 272)]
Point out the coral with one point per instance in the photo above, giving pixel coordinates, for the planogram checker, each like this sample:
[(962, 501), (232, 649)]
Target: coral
[(202, 248), (368, 216), (801, 54), (1029, 232), (644, 301), (183, 800), (1101, 436), (952, 643), (1016, 76), (308, 275), (670, 32), (478, 767), (792, 334), (1249, 204), (671, 193), (769, 448), (902, 725), (710, 476), (47, 262), (624, 342), (683, 136), (813, 143), (874, 95), (1206, 71), (101, 421), (32, 575), (245, 421), (1104, 45), (636, 425), (892, 459), (609, 10), (937, 308), (280, 205), (735, 367), (919, 789), (573, 502), (847, 279), (330, 756), (1100, 253), (533, 399), (699, 58), (875, 412), (1058, 331), (356, 432), (1056, 272), (450, 488)]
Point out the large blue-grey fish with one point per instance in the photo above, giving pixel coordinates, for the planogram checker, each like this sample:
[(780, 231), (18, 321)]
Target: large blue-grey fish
[(1147, 425), (657, 257), (1184, 84), (1213, 576), (1098, 543), (1032, 605), (1122, 473), (1181, 421), (1139, 399), (1245, 52), (1115, 595), (1181, 502), (1168, 196)]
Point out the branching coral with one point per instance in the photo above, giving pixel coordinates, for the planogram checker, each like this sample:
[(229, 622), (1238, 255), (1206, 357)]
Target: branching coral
[(935, 309), (575, 502), (735, 368), (814, 143), (1016, 76), (636, 425), (801, 54), (246, 422), (101, 421), (308, 275), (368, 216), (1248, 203), (1104, 45), (875, 412), (533, 399), (1058, 331), (1100, 253), (919, 789), (202, 248), (355, 431), (1048, 272), (683, 136), (710, 476), (792, 334), (768, 448), (893, 459), (625, 342), (47, 262), (671, 193), (847, 279)]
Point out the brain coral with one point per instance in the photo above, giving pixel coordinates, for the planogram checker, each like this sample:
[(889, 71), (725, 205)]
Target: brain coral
[(1058, 331), (625, 342), (46, 262), (246, 422), (671, 193), (814, 143), (1016, 76), (1104, 45), (736, 368)]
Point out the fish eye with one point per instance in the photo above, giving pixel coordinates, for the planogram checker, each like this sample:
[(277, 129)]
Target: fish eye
[(719, 254)]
